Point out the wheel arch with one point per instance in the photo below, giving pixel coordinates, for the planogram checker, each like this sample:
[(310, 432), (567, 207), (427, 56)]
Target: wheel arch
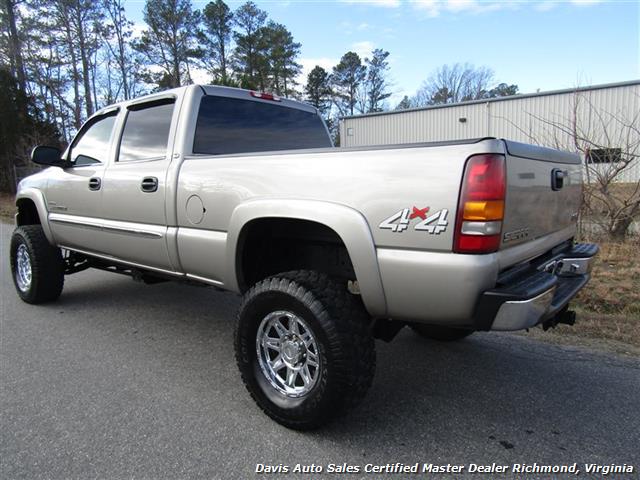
[(348, 225), (32, 210)]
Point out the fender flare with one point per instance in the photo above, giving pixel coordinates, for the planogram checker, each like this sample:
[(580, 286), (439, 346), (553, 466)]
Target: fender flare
[(349, 224), (37, 198)]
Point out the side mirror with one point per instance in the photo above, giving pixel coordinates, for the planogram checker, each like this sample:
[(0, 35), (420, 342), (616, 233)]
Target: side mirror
[(43, 155)]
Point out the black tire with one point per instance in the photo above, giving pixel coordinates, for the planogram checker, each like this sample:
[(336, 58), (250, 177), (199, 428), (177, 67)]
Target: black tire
[(45, 262), (440, 333), (340, 326)]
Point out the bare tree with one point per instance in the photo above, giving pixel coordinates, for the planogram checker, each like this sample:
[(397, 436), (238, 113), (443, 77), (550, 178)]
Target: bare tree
[(118, 38), (11, 41), (609, 143), (455, 83)]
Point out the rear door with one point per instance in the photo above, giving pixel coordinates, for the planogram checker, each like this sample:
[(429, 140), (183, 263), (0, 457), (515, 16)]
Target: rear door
[(544, 189), (135, 186)]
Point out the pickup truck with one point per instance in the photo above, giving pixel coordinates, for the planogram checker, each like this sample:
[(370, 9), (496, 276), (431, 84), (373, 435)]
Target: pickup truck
[(329, 247)]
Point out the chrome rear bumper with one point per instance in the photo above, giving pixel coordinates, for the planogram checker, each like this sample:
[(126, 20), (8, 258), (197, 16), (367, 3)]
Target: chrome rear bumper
[(532, 294)]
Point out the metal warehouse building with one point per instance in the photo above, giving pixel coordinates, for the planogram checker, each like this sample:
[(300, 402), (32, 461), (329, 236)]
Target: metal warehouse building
[(604, 118)]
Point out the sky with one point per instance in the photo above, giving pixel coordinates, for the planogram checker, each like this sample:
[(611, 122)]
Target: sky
[(538, 45)]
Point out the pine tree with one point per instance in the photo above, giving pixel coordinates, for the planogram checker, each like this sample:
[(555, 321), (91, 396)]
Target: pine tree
[(218, 23), (318, 90), (404, 104), (249, 41), (377, 83), (169, 42), (118, 42), (346, 78), (280, 52)]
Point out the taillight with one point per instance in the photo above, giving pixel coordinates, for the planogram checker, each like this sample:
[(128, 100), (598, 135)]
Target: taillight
[(481, 207), (265, 96)]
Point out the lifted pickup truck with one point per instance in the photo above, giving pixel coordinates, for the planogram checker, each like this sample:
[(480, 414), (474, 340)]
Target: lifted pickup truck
[(329, 247)]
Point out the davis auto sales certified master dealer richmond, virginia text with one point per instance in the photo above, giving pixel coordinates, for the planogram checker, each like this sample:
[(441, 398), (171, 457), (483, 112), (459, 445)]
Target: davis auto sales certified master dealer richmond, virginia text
[(417, 468)]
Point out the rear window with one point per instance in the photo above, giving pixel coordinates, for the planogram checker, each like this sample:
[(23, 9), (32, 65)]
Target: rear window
[(232, 125), (146, 131)]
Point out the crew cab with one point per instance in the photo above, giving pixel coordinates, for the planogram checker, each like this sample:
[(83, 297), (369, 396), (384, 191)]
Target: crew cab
[(329, 247)]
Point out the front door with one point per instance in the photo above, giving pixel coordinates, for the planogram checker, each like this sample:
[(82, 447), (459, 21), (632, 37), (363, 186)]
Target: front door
[(74, 194), (134, 187)]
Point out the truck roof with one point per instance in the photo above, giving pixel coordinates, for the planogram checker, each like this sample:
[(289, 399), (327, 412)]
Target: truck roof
[(214, 90)]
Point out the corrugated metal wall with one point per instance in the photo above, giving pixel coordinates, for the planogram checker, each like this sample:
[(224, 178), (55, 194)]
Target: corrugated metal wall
[(603, 115)]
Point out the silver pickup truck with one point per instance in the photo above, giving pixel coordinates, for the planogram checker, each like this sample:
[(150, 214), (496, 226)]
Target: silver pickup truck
[(330, 247)]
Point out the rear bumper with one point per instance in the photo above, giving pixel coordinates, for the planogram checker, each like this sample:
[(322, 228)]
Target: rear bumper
[(531, 294)]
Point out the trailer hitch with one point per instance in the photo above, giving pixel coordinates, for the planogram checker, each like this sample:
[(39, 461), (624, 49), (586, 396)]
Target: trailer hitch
[(565, 316)]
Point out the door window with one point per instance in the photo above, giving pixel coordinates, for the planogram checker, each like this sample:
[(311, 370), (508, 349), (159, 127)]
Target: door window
[(92, 144), (146, 132)]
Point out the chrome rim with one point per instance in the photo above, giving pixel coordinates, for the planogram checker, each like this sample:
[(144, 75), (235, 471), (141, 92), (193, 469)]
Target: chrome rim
[(23, 268), (288, 353)]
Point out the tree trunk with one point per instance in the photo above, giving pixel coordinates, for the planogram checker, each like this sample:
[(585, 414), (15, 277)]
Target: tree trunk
[(15, 45), (223, 62), (77, 117), (618, 231), (86, 73)]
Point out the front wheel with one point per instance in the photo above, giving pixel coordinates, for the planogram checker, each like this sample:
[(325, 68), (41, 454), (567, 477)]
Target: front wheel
[(304, 348), (37, 266)]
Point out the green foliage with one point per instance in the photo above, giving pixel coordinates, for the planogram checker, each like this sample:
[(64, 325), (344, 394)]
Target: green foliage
[(404, 104), (170, 41), (346, 79), (318, 89), (502, 90), (249, 41), (377, 84), (279, 52), (216, 40), (21, 126)]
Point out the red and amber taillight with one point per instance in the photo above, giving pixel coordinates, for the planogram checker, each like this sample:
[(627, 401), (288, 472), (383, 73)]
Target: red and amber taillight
[(481, 207)]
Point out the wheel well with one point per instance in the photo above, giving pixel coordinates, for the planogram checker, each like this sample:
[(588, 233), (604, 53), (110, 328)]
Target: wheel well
[(27, 212), (273, 245)]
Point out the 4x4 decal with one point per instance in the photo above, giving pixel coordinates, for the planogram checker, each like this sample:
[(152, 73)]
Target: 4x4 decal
[(436, 223)]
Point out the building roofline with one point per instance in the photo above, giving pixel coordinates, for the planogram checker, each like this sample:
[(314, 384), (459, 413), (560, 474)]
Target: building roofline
[(498, 99)]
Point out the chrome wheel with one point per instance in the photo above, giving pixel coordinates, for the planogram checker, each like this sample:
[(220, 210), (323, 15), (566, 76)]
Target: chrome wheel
[(288, 353), (23, 268)]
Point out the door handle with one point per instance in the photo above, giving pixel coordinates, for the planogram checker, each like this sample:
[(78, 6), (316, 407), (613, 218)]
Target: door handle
[(149, 184), (557, 178), (94, 184)]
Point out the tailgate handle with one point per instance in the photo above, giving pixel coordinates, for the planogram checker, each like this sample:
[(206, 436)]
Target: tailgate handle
[(557, 178)]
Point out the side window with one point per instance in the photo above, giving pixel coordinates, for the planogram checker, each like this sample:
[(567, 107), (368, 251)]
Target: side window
[(146, 132), (92, 146)]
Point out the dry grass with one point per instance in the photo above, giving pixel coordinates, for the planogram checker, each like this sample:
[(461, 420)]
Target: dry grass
[(615, 282), (7, 206), (617, 333), (608, 307)]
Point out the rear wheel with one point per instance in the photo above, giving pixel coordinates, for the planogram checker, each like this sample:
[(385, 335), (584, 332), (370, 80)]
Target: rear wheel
[(304, 348), (37, 266), (440, 333)]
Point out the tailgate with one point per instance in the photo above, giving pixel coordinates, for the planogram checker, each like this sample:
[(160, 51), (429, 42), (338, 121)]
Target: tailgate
[(544, 189)]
